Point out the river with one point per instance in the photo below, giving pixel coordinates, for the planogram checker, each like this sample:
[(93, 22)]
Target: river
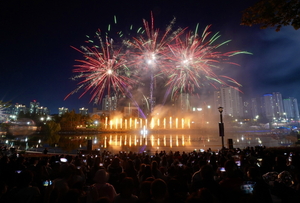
[(182, 141)]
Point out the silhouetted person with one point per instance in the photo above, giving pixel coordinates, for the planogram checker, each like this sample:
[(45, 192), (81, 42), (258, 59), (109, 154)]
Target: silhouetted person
[(204, 178), (145, 192), (102, 188), (231, 184), (126, 195), (158, 191), (24, 191), (203, 196), (261, 190), (45, 151)]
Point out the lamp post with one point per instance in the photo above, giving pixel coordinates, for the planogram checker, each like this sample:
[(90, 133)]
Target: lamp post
[(221, 126)]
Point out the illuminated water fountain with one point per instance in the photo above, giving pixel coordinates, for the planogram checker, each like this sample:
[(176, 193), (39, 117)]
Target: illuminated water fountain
[(139, 123), (153, 140)]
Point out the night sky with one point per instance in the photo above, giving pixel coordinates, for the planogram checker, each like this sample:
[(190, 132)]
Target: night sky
[(36, 58)]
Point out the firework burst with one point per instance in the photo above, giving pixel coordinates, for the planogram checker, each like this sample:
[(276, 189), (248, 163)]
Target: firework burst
[(104, 70), (150, 48), (192, 61), (187, 61)]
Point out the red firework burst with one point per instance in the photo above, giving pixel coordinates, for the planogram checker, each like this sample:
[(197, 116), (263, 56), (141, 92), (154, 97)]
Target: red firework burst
[(192, 61), (103, 70)]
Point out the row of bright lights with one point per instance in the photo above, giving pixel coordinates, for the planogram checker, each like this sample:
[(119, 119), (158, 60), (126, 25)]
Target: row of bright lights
[(25, 140), (111, 141), (200, 109), (48, 118)]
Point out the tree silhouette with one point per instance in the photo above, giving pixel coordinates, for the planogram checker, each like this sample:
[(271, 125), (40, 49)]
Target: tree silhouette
[(273, 13), (52, 129)]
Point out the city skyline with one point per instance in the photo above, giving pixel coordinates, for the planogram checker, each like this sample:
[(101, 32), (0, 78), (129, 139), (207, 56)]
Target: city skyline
[(37, 60), (275, 106)]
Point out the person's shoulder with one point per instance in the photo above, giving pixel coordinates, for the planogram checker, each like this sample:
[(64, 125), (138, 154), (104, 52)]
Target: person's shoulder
[(134, 197), (117, 198), (108, 185), (196, 176)]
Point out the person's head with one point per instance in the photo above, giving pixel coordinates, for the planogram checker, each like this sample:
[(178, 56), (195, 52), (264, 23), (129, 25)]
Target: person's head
[(127, 186), (154, 165), (158, 189), (142, 167), (207, 172), (101, 176), (147, 170), (231, 168), (174, 186), (115, 162), (145, 190), (130, 164), (150, 179)]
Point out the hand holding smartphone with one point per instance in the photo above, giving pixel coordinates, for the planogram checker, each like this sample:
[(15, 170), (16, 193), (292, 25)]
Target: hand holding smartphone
[(46, 183), (63, 160)]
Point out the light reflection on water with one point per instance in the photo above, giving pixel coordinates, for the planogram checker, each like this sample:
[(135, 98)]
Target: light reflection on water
[(115, 142)]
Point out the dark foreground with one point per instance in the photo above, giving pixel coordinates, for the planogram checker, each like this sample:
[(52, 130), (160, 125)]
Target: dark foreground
[(239, 175)]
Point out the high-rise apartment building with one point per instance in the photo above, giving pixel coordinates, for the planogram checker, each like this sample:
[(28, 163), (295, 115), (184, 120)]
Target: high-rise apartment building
[(217, 99), (255, 108), (109, 103), (183, 102), (18, 108), (246, 109), (62, 111), (83, 111), (42, 110), (33, 107), (268, 106), (229, 98), (291, 108), (272, 106), (278, 105)]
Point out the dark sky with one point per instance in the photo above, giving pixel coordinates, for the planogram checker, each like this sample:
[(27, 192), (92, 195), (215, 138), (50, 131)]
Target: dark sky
[(36, 59)]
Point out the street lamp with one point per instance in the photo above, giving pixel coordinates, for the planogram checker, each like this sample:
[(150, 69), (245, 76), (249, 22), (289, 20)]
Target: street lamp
[(221, 126)]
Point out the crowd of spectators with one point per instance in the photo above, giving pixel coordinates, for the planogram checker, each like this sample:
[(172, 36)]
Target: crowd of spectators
[(253, 174)]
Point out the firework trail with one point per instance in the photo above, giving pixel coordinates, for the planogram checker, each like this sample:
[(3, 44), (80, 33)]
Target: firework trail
[(192, 62), (149, 49), (104, 71)]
